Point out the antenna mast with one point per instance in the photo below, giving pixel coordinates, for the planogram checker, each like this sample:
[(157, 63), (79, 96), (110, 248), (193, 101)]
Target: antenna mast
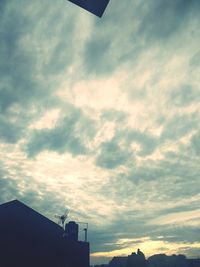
[(62, 218), (85, 229)]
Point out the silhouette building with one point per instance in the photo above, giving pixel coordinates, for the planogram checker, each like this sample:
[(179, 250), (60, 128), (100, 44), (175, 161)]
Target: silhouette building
[(27, 238), (159, 260)]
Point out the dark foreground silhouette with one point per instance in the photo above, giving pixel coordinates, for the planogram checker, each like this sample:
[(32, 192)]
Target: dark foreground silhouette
[(160, 260), (28, 239), (96, 7)]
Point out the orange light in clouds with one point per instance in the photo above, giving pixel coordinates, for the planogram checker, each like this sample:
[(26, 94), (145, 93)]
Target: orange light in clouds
[(149, 248)]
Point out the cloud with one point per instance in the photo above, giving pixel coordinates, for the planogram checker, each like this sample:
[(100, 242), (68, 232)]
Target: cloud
[(19, 87), (195, 60), (102, 116), (96, 57), (9, 132), (196, 143), (185, 95), (70, 134), (186, 216), (8, 188), (162, 20), (111, 155)]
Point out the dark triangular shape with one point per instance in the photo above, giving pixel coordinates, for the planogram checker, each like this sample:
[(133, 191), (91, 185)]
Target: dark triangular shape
[(96, 7)]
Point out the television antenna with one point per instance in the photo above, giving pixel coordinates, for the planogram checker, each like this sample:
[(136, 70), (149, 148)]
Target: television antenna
[(62, 218)]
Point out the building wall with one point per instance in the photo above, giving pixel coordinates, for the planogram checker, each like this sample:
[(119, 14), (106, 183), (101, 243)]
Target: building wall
[(28, 239)]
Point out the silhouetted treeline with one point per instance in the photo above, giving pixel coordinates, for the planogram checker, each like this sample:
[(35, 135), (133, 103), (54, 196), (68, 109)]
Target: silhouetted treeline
[(159, 260)]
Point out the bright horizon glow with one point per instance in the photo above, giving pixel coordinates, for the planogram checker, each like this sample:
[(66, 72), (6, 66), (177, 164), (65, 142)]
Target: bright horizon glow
[(149, 248)]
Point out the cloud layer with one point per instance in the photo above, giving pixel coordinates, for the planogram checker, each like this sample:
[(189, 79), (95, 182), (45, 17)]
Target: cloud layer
[(102, 116)]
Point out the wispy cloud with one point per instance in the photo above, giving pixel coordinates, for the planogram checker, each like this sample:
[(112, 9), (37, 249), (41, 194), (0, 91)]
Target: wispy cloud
[(102, 116)]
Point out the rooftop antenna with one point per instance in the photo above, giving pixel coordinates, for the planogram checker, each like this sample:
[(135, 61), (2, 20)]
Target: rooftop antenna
[(62, 218), (85, 229)]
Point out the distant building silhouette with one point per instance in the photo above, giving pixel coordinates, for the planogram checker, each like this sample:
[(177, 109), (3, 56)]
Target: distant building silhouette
[(159, 260), (136, 259), (194, 262), (162, 260), (118, 262), (28, 239), (133, 260)]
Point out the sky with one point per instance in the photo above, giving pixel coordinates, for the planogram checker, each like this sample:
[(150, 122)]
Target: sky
[(101, 117)]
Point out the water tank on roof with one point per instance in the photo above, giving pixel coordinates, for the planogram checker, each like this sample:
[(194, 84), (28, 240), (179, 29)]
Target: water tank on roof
[(71, 231)]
